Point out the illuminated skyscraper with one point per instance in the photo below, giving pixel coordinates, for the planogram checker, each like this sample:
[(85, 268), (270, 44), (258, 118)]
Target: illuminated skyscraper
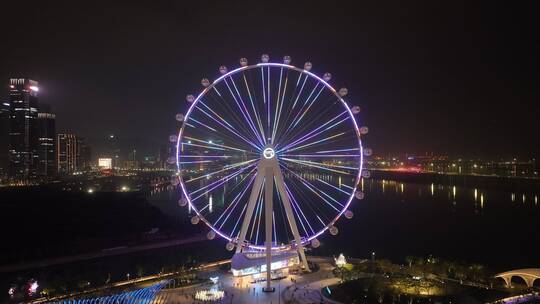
[(47, 142), (66, 153), (23, 128)]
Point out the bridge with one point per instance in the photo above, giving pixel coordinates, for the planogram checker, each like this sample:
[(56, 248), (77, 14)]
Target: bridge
[(529, 275)]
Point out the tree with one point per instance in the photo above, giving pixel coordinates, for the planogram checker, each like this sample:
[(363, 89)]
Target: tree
[(140, 270), (409, 259)]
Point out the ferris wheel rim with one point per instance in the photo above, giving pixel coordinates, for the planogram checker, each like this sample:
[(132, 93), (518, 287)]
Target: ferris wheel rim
[(218, 80)]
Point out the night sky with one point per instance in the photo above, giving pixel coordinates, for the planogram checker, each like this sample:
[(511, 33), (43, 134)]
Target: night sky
[(458, 79)]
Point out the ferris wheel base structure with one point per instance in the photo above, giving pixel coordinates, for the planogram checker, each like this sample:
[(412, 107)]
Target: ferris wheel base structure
[(268, 171), (252, 264)]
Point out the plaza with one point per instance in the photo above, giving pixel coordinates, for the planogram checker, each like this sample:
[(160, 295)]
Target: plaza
[(293, 288)]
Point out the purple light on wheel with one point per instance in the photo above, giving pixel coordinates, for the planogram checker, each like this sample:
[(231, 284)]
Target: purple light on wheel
[(252, 140)]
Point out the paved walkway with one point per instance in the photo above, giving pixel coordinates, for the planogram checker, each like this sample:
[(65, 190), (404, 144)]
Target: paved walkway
[(309, 293)]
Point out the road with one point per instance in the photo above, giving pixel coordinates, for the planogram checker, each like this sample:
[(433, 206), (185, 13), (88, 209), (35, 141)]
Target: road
[(102, 253)]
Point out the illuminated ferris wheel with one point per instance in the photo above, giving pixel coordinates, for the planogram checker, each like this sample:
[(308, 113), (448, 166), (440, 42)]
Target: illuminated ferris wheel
[(269, 156)]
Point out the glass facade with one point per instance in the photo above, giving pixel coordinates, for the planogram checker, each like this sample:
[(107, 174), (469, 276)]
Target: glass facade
[(23, 129)]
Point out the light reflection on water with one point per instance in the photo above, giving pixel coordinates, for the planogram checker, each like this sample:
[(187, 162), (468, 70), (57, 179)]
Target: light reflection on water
[(400, 218), (452, 194)]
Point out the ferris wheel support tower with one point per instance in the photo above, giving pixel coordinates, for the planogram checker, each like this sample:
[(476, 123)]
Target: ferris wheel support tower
[(267, 171)]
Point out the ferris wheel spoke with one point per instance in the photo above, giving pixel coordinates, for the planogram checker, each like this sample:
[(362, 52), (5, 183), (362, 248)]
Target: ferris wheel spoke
[(308, 107), (296, 93), (210, 187), (206, 156), (316, 191), (336, 188), (222, 122), (216, 90), (202, 124), (237, 222), (213, 112), (252, 123), (213, 145), (314, 208), (252, 202), (312, 163), (228, 211), (234, 202), (298, 211), (347, 186), (277, 111), (301, 107), (244, 112), (229, 111), (228, 167), (338, 150), (220, 136), (315, 166), (257, 116), (234, 121), (196, 162), (301, 89), (268, 98), (317, 131), (263, 85), (309, 124), (321, 155), (303, 110), (231, 207), (282, 103), (314, 143), (257, 218)]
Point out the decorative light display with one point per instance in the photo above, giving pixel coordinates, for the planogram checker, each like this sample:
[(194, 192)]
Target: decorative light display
[(143, 295), (340, 260), (209, 295), (270, 132)]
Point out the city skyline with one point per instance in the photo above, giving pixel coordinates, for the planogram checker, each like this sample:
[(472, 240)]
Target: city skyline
[(405, 74)]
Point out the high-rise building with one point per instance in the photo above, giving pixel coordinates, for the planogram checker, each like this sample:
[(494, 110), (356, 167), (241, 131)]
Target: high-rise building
[(84, 155), (47, 142), (23, 128), (4, 139), (66, 153), (164, 152), (113, 150)]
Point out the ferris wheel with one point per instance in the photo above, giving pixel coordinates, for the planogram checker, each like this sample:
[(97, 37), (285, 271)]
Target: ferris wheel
[(269, 156)]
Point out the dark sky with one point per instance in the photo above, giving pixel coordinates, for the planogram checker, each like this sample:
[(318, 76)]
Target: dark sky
[(455, 78)]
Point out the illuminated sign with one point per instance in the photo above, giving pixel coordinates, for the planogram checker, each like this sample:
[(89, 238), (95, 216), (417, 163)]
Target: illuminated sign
[(105, 163)]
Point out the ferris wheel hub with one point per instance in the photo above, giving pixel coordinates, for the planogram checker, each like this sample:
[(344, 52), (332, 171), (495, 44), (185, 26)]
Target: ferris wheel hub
[(269, 153)]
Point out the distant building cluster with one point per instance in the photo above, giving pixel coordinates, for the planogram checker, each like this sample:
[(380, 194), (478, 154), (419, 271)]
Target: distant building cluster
[(31, 150), (448, 165)]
